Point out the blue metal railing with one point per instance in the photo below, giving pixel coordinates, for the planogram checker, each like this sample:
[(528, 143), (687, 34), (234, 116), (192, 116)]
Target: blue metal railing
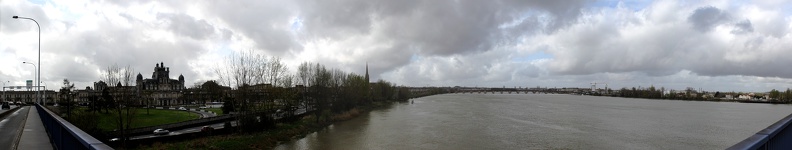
[(64, 135), (776, 136)]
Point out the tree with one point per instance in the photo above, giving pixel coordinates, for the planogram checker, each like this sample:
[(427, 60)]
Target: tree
[(244, 68), (320, 91), (305, 75), (774, 94), (275, 70), (122, 98), (67, 96)]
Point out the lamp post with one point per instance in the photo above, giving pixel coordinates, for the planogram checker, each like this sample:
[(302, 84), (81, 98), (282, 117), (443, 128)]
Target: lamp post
[(45, 93), (38, 75), (34, 74), (4, 87)]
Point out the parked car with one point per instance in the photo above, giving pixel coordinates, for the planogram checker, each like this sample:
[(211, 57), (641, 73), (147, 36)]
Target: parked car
[(161, 132), (6, 106), (182, 108), (202, 107)]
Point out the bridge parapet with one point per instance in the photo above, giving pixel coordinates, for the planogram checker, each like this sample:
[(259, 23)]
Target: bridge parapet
[(776, 136), (65, 135)]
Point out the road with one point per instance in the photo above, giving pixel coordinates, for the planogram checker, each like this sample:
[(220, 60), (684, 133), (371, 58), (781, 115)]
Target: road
[(4, 110), (11, 126), (198, 128), (183, 131), (203, 114)]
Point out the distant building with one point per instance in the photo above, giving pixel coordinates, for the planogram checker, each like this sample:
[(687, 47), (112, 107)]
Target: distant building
[(28, 96), (160, 88)]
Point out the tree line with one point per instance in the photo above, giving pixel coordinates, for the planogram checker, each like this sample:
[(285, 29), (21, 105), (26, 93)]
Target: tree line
[(264, 90), (785, 96)]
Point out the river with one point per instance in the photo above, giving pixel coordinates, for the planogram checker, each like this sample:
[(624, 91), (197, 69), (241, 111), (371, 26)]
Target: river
[(546, 121)]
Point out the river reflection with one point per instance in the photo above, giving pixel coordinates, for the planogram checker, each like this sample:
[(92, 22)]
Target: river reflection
[(540, 121)]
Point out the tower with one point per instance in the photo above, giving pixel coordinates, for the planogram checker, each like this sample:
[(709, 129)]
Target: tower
[(367, 75)]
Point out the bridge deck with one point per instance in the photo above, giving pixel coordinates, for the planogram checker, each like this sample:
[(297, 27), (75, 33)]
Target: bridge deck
[(34, 136)]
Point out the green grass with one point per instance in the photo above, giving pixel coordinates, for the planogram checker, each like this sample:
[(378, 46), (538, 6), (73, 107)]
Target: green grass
[(108, 122), (258, 140), (218, 111)]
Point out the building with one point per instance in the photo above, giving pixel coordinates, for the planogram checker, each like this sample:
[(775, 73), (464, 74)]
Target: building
[(160, 88), (28, 96)]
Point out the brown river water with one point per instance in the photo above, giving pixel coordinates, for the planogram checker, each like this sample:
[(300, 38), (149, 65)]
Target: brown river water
[(546, 121)]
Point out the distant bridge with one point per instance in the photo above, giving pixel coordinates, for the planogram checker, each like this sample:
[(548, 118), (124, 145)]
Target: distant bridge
[(504, 90)]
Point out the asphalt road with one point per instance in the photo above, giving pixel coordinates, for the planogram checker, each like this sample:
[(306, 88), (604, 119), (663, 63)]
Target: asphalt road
[(198, 128), (183, 131), (203, 114), (11, 126), (4, 110)]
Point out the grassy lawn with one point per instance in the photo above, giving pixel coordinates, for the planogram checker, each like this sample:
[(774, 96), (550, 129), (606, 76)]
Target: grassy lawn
[(108, 122), (218, 111), (258, 140)]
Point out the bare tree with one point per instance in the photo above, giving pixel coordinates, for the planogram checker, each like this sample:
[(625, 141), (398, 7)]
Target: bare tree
[(124, 96), (245, 68), (286, 81), (305, 73), (111, 75), (275, 70)]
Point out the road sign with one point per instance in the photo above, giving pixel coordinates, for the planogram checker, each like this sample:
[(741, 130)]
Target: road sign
[(29, 84)]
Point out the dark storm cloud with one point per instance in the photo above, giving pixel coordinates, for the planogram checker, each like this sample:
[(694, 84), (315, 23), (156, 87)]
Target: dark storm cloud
[(705, 18)]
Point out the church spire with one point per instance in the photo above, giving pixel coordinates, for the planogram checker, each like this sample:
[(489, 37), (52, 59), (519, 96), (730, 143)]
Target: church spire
[(367, 75)]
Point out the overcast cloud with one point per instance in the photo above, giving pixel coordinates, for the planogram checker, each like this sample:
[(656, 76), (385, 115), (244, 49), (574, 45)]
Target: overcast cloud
[(709, 45)]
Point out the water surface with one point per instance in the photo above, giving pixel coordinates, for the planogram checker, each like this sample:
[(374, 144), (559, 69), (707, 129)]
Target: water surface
[(541, 121)]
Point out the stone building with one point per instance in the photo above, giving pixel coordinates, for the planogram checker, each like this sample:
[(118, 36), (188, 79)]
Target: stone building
[(28, 96), (160, 88)]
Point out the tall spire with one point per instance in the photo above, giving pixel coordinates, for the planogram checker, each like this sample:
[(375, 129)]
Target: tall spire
[(367, 75)]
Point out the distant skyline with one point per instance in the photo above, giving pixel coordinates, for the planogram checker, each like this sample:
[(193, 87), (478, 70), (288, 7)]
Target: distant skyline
[(714, 45)]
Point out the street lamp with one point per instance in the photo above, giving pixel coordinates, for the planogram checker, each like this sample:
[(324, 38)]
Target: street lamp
[(38, 75), (4, 87), (45, 93), (34, 73)]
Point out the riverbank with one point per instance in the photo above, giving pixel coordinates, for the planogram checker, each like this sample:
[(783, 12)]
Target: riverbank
[(284, 132), (710, 100)]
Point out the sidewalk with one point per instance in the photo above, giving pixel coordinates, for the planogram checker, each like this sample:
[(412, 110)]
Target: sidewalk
[(34, 136)]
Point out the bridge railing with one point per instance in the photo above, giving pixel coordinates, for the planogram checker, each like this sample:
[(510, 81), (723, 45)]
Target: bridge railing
[(776, 136), (64, 135)]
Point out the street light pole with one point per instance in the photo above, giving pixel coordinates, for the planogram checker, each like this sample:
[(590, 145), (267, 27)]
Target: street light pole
[(34, 74), (4, 87), (38, 75), (45, 92)]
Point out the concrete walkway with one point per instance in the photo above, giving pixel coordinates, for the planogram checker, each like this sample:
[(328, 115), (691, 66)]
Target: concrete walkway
[(34, 136)]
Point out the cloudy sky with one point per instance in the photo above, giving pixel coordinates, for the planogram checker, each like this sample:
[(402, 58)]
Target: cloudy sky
[(711, 45)]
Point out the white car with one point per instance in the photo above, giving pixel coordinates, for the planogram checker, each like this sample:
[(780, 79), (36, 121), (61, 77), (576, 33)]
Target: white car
[(202, 107), (182, 108), (161, 132)]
